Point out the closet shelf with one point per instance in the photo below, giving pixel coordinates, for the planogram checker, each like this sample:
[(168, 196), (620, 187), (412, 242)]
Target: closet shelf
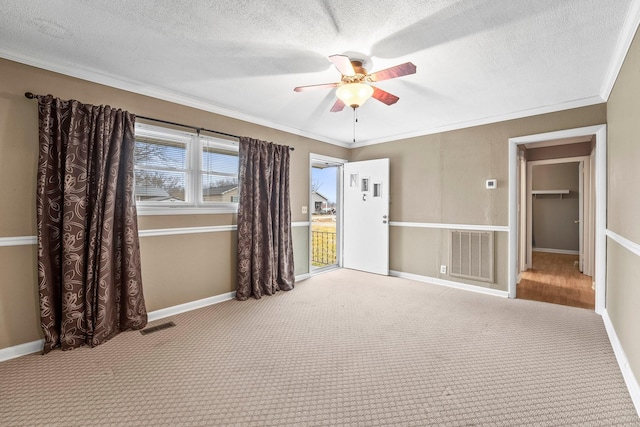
[(550, 192)]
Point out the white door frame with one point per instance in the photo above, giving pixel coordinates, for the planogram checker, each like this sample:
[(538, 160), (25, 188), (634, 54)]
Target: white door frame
[(319, 158), (581, 169), (524, 263), (600, 131), (590, 207)]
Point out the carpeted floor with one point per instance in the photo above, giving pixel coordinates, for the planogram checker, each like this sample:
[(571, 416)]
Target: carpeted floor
[(343, 348)]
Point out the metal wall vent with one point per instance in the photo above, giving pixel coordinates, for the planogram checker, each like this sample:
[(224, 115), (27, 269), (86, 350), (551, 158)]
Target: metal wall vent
[(471, 255)]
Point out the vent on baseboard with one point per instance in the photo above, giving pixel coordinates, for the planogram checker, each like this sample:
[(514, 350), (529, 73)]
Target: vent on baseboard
[(157, 328), (471, 255)]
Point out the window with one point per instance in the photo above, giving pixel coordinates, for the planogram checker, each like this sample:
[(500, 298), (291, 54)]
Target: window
[(377, 189), (182, 171), (365, 185), (219, 172)]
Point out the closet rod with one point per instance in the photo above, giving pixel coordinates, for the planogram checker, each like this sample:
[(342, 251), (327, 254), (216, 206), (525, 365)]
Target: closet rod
[(30, 95)]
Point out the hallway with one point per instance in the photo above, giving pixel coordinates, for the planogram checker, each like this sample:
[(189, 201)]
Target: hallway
[(556, 279)]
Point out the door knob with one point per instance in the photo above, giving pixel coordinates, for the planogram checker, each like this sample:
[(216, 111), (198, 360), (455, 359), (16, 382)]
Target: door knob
[(384, 217), (577, 221), (384, 222)]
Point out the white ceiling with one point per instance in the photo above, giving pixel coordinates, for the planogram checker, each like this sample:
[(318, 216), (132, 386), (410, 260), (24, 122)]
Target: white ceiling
[(478, 61)]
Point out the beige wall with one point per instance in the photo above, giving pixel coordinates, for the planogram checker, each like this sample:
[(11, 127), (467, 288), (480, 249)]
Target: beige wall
[(559, 151), (436, 178), (441, 178), (301, 250), (176, 269), (553, 215), (19, 310), (623, 205)]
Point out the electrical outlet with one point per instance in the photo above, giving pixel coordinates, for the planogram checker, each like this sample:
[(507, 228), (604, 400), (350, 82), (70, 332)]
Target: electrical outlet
[(304, 209), (443, 269)]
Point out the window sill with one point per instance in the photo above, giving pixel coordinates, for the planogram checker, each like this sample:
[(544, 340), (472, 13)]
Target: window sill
[(187, 210)]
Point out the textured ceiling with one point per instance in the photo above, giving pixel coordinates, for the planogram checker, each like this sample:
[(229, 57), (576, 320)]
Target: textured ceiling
[(478, 60)]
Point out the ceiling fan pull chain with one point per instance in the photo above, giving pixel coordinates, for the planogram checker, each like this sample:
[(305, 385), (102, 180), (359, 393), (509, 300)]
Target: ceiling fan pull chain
[(355, 120)]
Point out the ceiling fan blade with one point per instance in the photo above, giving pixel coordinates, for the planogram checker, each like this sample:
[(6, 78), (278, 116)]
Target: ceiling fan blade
[(301, 88), (393, 72), (383, 96), (338, 106), (343, 64)]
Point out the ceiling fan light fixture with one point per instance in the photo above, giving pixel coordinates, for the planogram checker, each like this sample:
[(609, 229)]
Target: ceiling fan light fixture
[(354, 94)]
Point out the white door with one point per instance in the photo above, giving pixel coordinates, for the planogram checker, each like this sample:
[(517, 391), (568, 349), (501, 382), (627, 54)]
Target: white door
[(366, 216)]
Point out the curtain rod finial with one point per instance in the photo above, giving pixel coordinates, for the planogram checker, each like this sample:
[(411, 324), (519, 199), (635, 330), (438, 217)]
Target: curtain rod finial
[(29, 95)]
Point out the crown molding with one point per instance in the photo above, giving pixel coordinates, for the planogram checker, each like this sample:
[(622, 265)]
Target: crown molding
[(142, 88), (627, 33), (584, 102), (145, 89)]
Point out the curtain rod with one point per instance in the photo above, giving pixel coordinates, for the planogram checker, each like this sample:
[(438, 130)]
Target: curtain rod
[(30, 95)]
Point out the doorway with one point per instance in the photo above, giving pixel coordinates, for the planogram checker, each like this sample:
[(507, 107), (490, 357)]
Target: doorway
[(325, 213), (349, 215), (557, 242), (366, 216), (561, 147)]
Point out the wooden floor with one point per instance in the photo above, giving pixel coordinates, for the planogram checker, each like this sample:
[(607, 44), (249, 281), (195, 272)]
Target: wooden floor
[(556, 279)]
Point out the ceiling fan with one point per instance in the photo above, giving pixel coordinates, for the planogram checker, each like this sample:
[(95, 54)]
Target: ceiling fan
[(354, 88)]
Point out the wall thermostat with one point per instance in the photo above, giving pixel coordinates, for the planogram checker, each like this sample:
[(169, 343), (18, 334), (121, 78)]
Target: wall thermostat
[(492, 183)]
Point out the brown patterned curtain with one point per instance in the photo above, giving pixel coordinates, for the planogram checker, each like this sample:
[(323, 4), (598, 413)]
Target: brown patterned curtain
[(265, 250), (88, 253)]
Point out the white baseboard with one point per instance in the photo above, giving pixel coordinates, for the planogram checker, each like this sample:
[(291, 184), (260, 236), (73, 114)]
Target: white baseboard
[(302, 277), (630, 379), (36, 346), (193, 305), (450, 284), (18, 241), (556, 251), (21, 350)]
